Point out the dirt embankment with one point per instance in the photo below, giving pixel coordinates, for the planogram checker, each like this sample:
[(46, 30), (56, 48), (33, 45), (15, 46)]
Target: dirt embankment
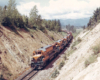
[(16, 50), (75, 68)]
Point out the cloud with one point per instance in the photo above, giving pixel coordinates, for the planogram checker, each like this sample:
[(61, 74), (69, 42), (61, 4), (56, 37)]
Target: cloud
[(62, 9), (25, 8)]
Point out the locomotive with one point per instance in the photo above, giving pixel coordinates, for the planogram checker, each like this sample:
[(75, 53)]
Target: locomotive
[(42, 56)]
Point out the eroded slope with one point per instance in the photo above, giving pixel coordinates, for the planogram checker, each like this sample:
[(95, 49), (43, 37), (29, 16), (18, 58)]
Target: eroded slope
[(75, 68), (16, 50)]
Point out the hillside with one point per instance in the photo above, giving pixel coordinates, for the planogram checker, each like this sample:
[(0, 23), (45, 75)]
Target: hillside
[(84, 62), (16, 50)]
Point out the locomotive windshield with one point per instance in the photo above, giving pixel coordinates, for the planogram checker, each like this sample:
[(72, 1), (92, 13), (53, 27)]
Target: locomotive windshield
[(39, 52), (36, 57), (36, 52)]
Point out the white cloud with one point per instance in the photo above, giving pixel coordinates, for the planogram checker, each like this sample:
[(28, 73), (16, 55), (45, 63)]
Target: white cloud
[(70, 9), (24, 8)]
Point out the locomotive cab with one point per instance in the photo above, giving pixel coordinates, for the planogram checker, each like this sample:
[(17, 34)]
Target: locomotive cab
[(37, 59)]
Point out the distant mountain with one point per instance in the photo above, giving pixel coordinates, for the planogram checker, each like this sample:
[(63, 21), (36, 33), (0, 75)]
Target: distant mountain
[(75, 22)]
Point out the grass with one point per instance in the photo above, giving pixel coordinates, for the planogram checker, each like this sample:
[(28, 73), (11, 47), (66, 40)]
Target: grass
[(65, 56), (55, 74), (70, 52), (76, 42), (5, 73), (93, 58), (31, 30), (75, 34), (63, 33), (61, 65), (87, 32), (73, 46), (79, 39), (90, 60), (96, 49)]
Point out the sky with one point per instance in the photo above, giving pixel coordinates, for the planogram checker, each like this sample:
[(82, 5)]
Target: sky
[(57, 9)]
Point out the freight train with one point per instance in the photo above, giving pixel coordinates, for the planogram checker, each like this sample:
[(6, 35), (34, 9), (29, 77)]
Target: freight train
[(44, 55)]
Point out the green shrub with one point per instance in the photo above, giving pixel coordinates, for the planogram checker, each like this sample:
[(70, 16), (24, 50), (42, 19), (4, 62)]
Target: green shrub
[(96, 49), (79, 39), (75, 34), (55, 74), (70, 52), (76, 42), (73, 48), (86, 63), (61, 64), (93, 58), (65, 57), (90, 60)]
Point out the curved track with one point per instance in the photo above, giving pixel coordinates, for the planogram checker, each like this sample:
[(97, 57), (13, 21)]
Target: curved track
[(28, 75)]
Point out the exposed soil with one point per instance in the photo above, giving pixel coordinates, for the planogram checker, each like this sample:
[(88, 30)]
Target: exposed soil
[(16, 50), (75, 68)]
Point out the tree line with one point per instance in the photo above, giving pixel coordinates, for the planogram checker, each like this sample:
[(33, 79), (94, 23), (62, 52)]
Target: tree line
[(71, 28), (94, 19), (11, 17)]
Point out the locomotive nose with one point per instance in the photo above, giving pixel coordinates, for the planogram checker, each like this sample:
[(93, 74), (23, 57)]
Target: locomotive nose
[(35, 62)]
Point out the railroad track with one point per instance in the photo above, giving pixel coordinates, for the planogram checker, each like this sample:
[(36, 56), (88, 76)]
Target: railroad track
[(28, 75)]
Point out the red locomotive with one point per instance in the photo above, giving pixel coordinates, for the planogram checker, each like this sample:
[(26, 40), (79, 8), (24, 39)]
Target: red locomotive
[(43, 55)]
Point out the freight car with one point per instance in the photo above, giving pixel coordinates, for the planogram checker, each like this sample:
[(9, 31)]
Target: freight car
[(45, 54)]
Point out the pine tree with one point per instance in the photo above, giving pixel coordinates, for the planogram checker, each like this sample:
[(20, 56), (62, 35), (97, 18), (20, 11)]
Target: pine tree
[(25, 20), (34, 16), (10, 8)]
